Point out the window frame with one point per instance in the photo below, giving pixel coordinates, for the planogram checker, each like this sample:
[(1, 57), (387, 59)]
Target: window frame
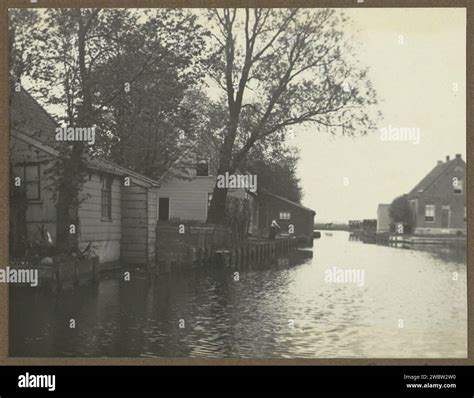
[(434, 213), (458, 190), (25, 181), (106, 197), (284, 213)]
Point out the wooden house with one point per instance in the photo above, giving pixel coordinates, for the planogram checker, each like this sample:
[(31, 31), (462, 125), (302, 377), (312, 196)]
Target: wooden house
[(186, 190), (118, 207), (293, 218)]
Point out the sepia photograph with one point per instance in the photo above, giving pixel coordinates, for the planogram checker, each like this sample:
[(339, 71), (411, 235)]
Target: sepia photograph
[(250, 183)]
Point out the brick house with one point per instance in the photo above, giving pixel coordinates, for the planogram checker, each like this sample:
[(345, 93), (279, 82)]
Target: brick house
[(438, 201)]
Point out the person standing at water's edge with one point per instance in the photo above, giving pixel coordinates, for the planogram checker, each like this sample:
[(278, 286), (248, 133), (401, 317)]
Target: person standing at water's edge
[(274, 228)]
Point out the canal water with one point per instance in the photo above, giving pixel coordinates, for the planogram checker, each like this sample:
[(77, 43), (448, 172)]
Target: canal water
[(406, 303)]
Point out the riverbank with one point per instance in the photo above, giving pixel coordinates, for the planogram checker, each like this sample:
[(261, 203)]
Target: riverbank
[(456, 241), (59, 273), (183, 256), (181, 246), (412, 240)]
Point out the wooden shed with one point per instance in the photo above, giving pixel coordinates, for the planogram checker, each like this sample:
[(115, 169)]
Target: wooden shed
[(118, 207), (293, 218)]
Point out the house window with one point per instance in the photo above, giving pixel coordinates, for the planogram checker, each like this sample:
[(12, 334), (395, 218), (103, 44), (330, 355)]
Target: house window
[(202, 168), (106, 197), (430, 213), (457, 185), (30, 179), (285, 215)]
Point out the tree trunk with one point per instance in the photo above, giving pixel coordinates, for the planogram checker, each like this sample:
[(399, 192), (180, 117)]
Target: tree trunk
[(62, 221), (67, 205), (216, 211), (73, 168)]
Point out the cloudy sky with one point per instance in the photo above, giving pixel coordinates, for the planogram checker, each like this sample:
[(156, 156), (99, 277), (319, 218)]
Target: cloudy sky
[(417, 64)]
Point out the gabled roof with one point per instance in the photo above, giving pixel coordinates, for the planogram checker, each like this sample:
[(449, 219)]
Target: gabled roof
[(92, 163), (266, 192), (173, 166), (31, 124), (185, 153), (432, 176), (29, 117)]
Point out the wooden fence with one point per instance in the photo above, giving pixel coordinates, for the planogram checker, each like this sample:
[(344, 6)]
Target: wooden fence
[(181, 245)]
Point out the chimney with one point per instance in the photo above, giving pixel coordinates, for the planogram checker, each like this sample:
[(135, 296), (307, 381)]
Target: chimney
[(458, 156), (447, 158)]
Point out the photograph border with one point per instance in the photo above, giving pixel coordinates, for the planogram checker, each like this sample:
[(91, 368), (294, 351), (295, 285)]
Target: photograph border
[(4, 167)]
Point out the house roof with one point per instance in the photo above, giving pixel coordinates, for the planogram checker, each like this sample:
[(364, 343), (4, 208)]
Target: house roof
[(173, 166), (266, 192), (432, 176), (92, 163), (185, 153), (29, 117), (33, 125)]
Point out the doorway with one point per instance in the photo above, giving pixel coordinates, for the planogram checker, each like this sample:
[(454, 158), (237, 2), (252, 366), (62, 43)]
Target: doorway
[(164, 209)]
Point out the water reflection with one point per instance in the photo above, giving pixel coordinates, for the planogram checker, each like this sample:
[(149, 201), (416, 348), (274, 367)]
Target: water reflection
[(279, 309)]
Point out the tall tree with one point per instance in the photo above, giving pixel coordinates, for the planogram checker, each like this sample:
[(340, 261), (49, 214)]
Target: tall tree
[(155, 64), (279, 68), (57, 55), (399, 211), (21, 32), (69, 172), (85, 61), (275, 169)]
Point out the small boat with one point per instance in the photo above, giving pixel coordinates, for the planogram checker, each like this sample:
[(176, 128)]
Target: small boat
[(328, 233)]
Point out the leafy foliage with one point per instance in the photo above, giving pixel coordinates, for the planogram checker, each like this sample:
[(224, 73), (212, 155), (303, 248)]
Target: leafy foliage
[(82, 60), (237, 217), (400, 210), (278, 68), (276, 170)]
